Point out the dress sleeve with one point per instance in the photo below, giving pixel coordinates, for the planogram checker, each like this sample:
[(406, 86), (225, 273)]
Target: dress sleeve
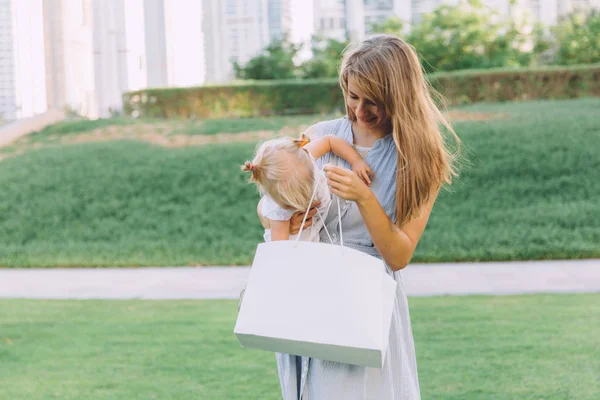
[(273, 211)]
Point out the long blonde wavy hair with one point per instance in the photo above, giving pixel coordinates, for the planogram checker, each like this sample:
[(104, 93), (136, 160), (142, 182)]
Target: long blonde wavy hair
[(387, 70)]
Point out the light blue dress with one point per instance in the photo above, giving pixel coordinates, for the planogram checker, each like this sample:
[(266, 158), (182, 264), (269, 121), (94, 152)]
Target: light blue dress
[(313, 379)]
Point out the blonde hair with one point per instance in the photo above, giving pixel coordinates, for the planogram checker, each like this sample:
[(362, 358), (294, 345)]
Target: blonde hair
[(387, 70), (284, 170)]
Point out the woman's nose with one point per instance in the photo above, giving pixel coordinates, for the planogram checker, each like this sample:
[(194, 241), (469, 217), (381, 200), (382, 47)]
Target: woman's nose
[(360, 110)]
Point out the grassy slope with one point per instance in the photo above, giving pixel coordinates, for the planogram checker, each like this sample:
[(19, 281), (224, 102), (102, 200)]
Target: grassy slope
[(529, 192)]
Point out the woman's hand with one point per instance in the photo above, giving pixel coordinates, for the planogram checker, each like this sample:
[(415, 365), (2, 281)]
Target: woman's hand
[(296, 220), (346, 184)]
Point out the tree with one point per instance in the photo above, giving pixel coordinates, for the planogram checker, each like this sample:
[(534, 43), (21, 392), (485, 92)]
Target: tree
[(392, 26), (327, 55), (470, 36), (276, 61), (578, 39)]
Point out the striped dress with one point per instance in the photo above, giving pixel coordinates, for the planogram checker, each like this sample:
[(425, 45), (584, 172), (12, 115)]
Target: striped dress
[(314, 379)]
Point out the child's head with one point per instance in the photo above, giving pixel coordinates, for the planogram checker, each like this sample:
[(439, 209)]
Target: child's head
[(284, 170)]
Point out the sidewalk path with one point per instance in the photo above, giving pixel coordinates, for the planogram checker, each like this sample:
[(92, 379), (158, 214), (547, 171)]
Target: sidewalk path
[(226, 282), (19, 128)]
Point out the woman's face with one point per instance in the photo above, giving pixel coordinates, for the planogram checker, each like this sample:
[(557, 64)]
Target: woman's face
[(368, 114)]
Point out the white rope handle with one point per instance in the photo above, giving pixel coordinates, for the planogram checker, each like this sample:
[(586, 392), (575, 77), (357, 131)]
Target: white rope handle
[(340, 221), (306, 213), (321, 216)]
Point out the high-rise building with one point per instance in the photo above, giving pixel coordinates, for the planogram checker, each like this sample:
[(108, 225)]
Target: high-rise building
[(330, 18), (22, 72), (8, 95), (339, 18), (279, 18), (185, 43), (377, 11), (110, 54), (86, 57), (355, 20), (156, 42), (98, 49), (234, 31)]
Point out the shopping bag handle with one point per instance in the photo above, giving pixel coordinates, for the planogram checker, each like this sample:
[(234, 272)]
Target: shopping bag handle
[(321, 216)]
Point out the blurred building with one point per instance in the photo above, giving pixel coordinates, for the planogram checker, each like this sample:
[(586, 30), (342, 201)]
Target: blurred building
[(8, 95), (87, 60), (97, 49), (279, 18), (22, 72), (237, 30), (340, 19)]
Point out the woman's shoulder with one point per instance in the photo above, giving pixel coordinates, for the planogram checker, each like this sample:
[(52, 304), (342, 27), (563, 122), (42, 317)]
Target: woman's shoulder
[(332, 127)]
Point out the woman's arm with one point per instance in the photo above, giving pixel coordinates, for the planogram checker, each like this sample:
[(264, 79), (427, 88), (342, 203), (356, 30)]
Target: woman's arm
[(396, 245)]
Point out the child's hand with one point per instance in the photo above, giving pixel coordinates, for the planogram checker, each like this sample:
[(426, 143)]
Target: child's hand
[(364, 172)]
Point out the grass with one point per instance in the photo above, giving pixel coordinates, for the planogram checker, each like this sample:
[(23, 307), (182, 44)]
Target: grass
[(214, 126), (528, 191), (468, 348)]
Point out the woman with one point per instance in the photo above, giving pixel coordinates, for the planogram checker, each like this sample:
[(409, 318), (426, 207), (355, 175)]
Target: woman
[(394, 123)]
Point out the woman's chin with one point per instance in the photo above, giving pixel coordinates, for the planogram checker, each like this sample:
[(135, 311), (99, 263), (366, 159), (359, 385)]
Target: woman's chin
[(370, 124)]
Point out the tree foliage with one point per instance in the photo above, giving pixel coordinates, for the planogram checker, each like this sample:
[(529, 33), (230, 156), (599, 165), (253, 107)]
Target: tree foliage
[(578, 39), (470, 36), (276, 61), (464, 36), (326, 58)]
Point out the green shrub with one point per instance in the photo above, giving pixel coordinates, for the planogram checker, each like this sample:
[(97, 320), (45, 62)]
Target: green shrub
[(318, 96), (251, 98)]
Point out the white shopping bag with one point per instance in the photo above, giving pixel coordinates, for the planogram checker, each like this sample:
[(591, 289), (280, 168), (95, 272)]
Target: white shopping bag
[(317, 300)]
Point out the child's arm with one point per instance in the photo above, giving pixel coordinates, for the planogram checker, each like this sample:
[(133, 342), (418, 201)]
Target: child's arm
[(324, 144), (280, 230)]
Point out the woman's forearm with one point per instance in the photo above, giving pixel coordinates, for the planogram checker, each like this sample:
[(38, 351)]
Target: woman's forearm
[(390, 241)]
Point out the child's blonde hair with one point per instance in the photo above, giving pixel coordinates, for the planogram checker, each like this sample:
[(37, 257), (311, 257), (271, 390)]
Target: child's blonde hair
[(284, 170)]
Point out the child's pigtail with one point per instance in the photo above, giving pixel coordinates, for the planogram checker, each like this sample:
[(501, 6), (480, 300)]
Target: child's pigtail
[(249, 167), (302, 141)]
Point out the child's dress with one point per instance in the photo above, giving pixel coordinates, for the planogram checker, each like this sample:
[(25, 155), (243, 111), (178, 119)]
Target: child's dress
[(273, 211)]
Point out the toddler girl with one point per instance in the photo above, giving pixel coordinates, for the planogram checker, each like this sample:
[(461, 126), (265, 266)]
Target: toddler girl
[(285, 172)]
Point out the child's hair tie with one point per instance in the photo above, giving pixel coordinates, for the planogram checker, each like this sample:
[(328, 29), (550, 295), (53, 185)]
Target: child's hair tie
[(248, 166), (303, 141)]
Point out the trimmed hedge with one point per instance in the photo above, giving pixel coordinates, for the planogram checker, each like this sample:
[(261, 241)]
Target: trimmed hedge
[(314, 96)]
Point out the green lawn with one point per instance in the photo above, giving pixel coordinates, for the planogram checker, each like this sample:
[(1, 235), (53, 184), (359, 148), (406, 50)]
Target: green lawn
[(529, 190), (477, 347)]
